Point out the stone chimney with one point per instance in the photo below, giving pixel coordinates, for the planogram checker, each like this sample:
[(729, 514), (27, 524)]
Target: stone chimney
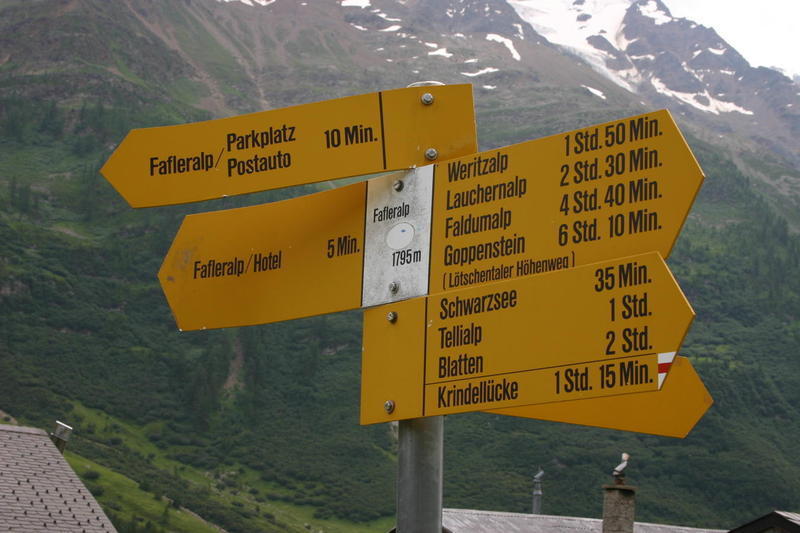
[(619, 502), (61, 435)]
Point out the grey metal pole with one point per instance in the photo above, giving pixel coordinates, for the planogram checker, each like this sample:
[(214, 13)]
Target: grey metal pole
[(419, 475), (419, 465)]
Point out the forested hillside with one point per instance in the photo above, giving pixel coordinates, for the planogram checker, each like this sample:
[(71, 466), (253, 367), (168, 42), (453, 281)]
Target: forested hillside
[(256, 429)]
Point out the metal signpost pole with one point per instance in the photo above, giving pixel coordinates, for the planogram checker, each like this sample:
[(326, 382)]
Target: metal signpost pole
[(419, 475), (420, 467)]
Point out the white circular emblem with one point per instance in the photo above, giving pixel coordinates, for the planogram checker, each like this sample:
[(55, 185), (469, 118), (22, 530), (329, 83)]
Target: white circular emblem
[(400, 235)]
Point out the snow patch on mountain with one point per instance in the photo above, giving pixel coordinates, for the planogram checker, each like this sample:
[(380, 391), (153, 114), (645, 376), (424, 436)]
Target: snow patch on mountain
[(386, 17), (441, 52), (571, 24), (652, 11), (702, 101), (596, 92), (351, 3), (250, 2), (487, 70), (504, 41)]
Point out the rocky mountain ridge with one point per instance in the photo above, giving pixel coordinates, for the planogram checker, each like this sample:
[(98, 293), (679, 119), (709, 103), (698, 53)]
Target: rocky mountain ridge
[(637, 44)]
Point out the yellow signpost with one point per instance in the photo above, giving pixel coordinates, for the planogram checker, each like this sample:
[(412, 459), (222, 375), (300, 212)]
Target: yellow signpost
[(602, 329), (595, 333), (604, 191), (465, 222), (351, 136), (267, 263), (671, 412)]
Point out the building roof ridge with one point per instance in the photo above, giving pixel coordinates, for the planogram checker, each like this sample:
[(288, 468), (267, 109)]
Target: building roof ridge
[(8, 428)]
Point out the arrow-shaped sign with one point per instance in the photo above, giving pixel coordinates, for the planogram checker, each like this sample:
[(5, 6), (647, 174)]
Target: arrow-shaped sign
[(351, 136), (672, 411), (489, 217), (605, 191), (603, 329), (267, 263)]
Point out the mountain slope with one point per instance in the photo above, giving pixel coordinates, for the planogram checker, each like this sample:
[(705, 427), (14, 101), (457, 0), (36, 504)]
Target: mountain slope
[(674, 61), (256, 428)]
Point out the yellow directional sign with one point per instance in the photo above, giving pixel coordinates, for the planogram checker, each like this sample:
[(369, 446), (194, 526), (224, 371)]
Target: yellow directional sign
[(350, 136), (604, 191), (601, 329), (432, 229), (672, 411), (267, 263)]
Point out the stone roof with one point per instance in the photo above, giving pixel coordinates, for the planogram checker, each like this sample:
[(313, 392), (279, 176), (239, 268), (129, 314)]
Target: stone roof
[(469, 521), (774, 521), (791, 517), (39, 491)]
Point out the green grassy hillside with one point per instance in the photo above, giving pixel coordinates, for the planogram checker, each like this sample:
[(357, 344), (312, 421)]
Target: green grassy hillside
[(256, 429)]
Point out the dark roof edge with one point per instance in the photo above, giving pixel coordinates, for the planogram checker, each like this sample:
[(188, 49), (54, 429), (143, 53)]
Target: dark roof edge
[(22, 429), (578, 519), (773, 519)]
